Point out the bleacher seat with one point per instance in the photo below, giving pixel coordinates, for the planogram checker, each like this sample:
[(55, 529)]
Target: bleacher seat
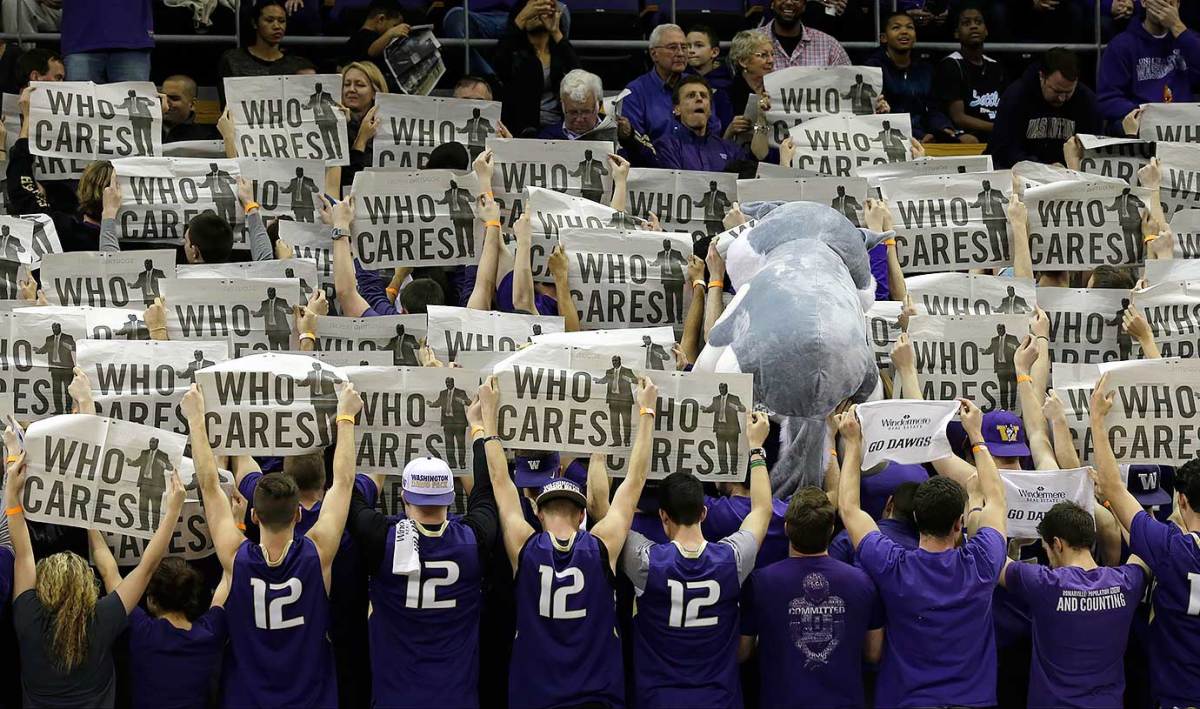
[(726, 17), (601, 19)]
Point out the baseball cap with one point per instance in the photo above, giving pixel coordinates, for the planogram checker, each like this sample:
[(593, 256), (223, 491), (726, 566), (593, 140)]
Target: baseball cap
[(876, 489), (562, 489), (536, 471), (1145, 484), (1004, 434), (428, 481)]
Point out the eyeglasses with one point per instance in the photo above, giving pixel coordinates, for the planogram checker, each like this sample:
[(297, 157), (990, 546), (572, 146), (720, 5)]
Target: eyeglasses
[(761, 55), (677, 48)]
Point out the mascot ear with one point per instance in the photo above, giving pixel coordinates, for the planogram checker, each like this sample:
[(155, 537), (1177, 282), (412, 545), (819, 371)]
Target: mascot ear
[(875, 238)]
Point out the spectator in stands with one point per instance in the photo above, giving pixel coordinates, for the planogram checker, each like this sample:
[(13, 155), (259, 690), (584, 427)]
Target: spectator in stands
[(29, 16), (927, 14), (262, 57), (490, 19), (1042, 110), (752, 58), (968, 83), (797, 45), (692, 146), (649, 107), (107, 41), (361, 82), (704, 48), (39, 65), (384, 22), (179, 118), (478, 88), (1154, 60), (537, 56), (907, 81), (580, 93)]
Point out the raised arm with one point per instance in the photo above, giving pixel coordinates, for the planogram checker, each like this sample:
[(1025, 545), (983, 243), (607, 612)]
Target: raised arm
[(879, 218), (615, 525), (620, 175), (1107, 474), (857, 522), (104, 562), (1031, 407), (1150, 177), (598, 486), (560, 271), (1039, 327), (714, 299), (759, 517), (693, 320), (487, 211), (904, 363), (1018, 222), (221, 524), (110, 206), (522, 274), (994, 506), (134, 585), (327, 532), (24, 565), (1064, 443), (1134, 322), (256, 230), (340, 216), (513, 526)]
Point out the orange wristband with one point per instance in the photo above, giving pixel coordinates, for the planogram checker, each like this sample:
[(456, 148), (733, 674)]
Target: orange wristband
[(251, 206), (1024, 378), (1149, 237), (12, 511), (833, 452), (392, 291), (975, 448), (492, 223), (643, 411), (240, 525), (10, 459), (716, 284), (889, 242), (344, 417)]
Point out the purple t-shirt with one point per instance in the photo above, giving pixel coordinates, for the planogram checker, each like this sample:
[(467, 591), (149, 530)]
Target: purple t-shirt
[(940, 644), (811, 616), (1080, 622), (725, 516), (1174, 643), (544, 304), (88, 25), (173, 668)]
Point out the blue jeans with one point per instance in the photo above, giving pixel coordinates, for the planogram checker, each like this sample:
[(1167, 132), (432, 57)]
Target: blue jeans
[(486, 25), (109, 67)]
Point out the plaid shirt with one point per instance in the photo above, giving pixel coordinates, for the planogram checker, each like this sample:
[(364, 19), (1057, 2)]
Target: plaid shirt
[(815, 48)]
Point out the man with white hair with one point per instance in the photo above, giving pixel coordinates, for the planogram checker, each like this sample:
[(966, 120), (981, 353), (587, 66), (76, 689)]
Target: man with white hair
[(580, 92), (649, 107)]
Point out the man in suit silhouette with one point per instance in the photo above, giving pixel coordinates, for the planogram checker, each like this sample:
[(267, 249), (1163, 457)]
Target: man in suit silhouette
[(59, 349), (892, 140), (715, 204), (221, 184), (1128, 208), (325, 115), (847, 205), (404, 348), (861, 96), (656, 354), (1013, 303), (458, 202), (477, 129), (275, 312), (453, 402), (147, 282), (991, 203), (305, 290), (620, 382), (1003, 348), (322, 392), (534, 331), (194, 366), (133, 329), (141, 118), (11, 247), (671, 268), (726, 409), (152, 466), (1124, 341), (591, 174), (302, 189)]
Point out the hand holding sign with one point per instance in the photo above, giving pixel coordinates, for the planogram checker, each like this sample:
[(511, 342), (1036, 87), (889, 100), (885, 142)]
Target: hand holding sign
[(175, 496), (475, 414), (16, 479), (112, 198), (1102, 399), (485, 165), (192, 404), (80, 390), (647, 396), (1150, 174), (1026, 355), (903, 357), (971, 418), (757, 428), (878, 216), (489, 402), (349, 400), (849, 427), (155, 318)]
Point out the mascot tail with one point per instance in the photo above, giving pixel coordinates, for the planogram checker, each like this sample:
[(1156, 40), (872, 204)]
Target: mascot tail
[(802, 455)]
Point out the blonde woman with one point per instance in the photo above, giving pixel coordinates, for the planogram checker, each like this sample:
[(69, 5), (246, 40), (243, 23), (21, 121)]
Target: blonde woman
[(361, 82), (65, 631)]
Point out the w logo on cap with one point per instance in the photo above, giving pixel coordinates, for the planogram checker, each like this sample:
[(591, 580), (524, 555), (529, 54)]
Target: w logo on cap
[(1008, 432), (535, 464)]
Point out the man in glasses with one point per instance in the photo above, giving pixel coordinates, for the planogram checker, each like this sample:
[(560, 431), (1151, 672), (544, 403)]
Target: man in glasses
[(797, 45), (649, 107)]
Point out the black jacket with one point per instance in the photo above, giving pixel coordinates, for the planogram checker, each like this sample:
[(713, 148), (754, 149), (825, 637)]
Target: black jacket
[(520, 70), (59, 202), (1028, 128)]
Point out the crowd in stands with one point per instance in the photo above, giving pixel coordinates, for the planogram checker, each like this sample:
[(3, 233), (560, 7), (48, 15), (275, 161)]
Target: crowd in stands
[(538, 580)]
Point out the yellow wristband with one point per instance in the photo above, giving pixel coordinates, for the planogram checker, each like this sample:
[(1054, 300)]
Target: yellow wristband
[(344, 417), (833, 452), (492, 223), (1024, 378), (978, 446), (643, 411), (716, 284), (392, 291), (308, 336), (490, 194), (10, 459), (251, 206), (889, 242), (13, 511), (1149, 237), (698, 282), (476, 430)]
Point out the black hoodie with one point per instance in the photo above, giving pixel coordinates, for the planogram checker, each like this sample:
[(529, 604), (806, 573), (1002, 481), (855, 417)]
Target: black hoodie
[(1028, 128)]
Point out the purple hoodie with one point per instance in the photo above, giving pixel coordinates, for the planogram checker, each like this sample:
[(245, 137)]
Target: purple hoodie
[(1137, 68)]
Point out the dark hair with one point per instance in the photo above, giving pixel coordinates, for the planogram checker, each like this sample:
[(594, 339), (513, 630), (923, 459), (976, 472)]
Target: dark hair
[(473, 79), (681, 496), (902, 501), (893, 15), (419, 294), (714, 40), (257, 11), (1062, 61), (275, 500), (937, 505), (36, 59), (307, 470), (1187, 482), (1112, 277), (690, 79), (1070, 523), (449, 156), (176, 587), (970, 5), (387, 8), (809, 520), (212, 236)]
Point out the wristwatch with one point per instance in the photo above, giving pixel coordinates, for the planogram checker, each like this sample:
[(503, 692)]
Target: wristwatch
[(339, 233), (760, 452)]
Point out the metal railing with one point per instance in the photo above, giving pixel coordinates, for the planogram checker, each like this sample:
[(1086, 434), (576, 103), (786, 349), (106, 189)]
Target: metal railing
[(467, 43)]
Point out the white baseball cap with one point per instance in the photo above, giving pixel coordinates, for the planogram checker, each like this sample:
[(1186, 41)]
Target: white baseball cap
[(428, 481)]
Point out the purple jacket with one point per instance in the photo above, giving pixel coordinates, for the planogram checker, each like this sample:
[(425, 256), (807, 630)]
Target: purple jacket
[(1138, 67), (88, 25)]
